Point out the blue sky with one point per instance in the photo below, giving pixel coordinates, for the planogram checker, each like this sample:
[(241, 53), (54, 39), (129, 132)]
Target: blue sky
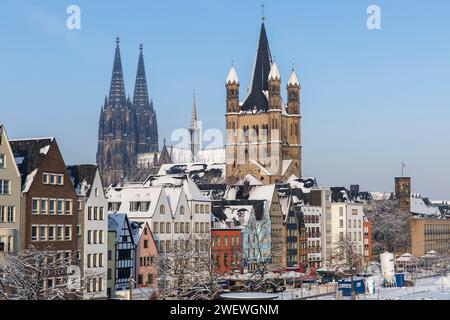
[(370, 99)]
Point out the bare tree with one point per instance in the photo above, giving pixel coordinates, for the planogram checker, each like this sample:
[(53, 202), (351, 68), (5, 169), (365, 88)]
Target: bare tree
[(347, 260)]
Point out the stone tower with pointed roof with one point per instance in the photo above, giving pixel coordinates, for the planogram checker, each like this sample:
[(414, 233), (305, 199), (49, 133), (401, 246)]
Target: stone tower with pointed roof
[(125, 128), (263, 132)]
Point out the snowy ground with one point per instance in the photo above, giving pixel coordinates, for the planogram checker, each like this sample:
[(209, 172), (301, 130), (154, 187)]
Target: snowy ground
[(433, 288)]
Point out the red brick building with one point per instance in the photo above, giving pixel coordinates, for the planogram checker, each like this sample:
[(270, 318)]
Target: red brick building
[(367, 240), (226, 249), (49, 198)]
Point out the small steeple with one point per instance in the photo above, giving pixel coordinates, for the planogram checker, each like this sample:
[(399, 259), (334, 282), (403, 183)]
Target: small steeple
[(232, 76), (293, 80), (117, 89), (274, 73), (140, 98)]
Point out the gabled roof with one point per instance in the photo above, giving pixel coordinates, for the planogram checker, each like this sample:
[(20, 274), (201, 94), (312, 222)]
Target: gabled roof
[(261, 69), (31, 153), (82, 177), (116, 222)]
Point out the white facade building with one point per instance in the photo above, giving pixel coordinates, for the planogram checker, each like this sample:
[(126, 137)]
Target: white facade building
[(173, 207), (92, 229), (347, 223)]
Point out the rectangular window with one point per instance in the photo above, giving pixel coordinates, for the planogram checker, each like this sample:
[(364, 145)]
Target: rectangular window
[(35, 206), (197, 227), (43, 233), (89, 260), (155, 227), (60, 179), (134, 206), (4, 187), (181, 227), (53, 179), (95, 213), (60, 205), (51, 206), (341, 212), (354, 212), (45, 178), (68, 233), (146, 244), (161, 227), (2, 214), (79, 205), (202, 227), (34, 233), (43, 206), (187, 227), (102, 217), (2, 244), (196, 208), (95, 236), (51, 233), (177, 227), (78, 230), (100, 259), (109, 255), (59, 233), (109, 274), (89, 237), (68, 207), (11, 214), (145, 206), (202, 208), (2, 161), (168, 227), (100, 236)]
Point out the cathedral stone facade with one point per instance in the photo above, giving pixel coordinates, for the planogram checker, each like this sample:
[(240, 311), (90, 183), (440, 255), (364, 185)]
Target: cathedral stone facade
[(263, 132), (126, 127)]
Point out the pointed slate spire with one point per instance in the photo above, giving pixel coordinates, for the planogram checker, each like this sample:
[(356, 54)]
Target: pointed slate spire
[(164, 157), (261, 69), (194, 113), (117, 89), (293, 80), (140, 99)]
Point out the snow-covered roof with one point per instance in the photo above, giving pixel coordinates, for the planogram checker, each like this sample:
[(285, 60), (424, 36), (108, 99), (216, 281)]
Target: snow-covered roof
[(201, 173), (28, 155), (274, 74), (305, 183), (251, 180), (82, 177), (293, 80), (135, 193), (420, 207), (173, 197), (238, 213), (116, 222), (232, 76)]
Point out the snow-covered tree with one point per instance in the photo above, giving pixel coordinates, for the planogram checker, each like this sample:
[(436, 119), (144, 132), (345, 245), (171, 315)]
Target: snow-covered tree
[(390, 226), (39, 275), (187, 271)]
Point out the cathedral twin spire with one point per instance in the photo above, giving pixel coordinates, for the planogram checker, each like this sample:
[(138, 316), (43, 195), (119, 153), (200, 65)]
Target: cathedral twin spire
[(117, 96)]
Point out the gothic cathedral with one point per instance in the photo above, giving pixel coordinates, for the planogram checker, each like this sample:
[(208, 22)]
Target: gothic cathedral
[(125, 128), (263, 133)]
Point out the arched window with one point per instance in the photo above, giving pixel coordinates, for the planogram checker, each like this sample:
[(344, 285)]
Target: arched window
[(162, 209), (182, 210)]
